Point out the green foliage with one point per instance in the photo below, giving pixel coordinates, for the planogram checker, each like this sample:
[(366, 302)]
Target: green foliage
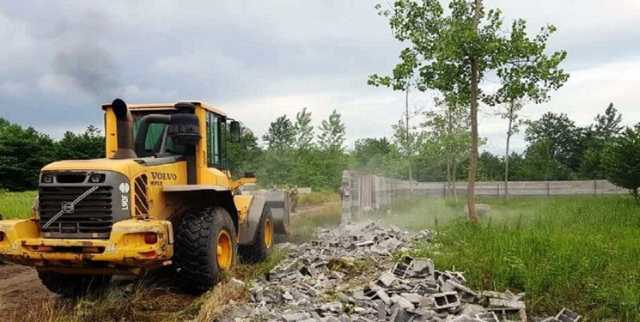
[(622, 160), (293, 159), (23, 151), (88, 145), (281, 134), (244, 155), (332, 133), (304, 130)]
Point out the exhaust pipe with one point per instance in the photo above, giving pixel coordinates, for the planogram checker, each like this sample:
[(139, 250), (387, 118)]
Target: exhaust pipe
[(124, 126)]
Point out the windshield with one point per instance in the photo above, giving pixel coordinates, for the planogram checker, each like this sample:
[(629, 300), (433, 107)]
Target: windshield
[(157, 142)]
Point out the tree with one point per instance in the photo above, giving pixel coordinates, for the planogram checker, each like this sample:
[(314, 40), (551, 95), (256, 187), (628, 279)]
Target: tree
[(303, 130), (447, 126), (622, 160), (369, 155), (513, 127), (244, 155), (563, 140), (332, 133), (605, 128), (454, 50), (88, 145), (281, 134), (23, 152)]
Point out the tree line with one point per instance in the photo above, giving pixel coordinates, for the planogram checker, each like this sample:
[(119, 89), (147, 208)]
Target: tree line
[(297, 153), (24, 151)]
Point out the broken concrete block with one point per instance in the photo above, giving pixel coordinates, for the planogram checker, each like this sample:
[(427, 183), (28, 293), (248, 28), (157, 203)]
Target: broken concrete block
[(414, 298), (567, 315), (422, 267), (509, 304), (452, 285), (386, 279), (464, 318), (427, 287), (446, 300), (400, 314), (487, 317), (402, 302)]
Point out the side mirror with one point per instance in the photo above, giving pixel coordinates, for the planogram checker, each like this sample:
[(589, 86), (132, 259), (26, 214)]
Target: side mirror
[(235, 131), (184, 129)]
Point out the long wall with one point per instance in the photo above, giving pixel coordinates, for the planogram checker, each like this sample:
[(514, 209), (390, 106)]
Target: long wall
[(362, 192)]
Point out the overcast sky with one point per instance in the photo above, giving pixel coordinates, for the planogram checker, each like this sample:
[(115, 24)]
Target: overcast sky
[(260, 59)]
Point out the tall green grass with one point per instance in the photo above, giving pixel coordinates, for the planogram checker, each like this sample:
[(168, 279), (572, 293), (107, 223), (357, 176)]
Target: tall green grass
[(16, 204), (576, 252)]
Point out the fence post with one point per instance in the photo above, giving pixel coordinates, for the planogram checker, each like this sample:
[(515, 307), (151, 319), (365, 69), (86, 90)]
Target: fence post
[(345, 194), (595, 187), (548, 189)]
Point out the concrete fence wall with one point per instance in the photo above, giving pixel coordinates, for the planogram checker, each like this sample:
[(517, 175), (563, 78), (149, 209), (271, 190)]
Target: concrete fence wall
[(363, 192)]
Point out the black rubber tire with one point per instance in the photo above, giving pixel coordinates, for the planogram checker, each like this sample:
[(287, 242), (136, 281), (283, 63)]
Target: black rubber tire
[(195, 254), (69, 285), (258, 250)]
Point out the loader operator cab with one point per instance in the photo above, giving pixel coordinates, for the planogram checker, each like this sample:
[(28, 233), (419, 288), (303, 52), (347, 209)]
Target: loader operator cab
[(157, 141)]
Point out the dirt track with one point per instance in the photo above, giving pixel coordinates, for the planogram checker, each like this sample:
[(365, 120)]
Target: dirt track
[(19, 287)]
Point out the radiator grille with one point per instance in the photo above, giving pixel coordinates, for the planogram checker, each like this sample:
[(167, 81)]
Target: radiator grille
[(141, 197), (91, 218)]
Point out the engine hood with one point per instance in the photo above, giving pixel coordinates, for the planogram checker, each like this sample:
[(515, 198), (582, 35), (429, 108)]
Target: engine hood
[(127, 167)]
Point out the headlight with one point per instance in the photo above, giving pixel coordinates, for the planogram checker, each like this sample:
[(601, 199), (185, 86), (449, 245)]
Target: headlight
[(96, 178), (47, 178)]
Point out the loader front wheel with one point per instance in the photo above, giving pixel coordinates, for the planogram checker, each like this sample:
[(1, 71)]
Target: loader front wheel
[(263, 241), (206, 248), (69, 286)]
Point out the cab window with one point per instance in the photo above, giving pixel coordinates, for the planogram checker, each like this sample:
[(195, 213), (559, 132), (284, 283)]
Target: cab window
[(214, 141)]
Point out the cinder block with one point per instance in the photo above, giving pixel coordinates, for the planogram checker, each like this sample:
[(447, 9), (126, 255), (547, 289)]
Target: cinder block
[(447, 300), (487, 317)]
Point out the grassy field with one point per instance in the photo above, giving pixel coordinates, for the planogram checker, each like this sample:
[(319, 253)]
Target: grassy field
[(576, 252), (16, 204)]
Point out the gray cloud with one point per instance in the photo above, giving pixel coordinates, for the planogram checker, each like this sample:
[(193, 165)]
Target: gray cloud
[(89, 67), (260, 59)]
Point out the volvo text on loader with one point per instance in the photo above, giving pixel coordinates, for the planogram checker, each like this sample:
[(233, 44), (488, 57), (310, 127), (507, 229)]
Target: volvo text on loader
[(162, 196)]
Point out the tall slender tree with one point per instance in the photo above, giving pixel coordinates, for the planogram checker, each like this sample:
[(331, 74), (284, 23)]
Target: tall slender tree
[(332, 133), (453, 51), (303, 130)]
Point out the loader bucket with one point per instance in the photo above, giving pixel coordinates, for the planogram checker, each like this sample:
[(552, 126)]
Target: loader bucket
[(278, 202)]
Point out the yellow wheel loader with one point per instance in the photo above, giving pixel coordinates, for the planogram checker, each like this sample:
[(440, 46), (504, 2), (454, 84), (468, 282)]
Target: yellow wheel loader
[(162, 196)]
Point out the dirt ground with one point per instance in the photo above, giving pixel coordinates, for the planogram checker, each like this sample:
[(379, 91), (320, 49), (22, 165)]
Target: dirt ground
[(19, 287)]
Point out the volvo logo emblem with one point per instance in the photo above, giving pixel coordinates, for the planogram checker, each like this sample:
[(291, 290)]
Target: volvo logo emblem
[(124, 187), (68, 207)]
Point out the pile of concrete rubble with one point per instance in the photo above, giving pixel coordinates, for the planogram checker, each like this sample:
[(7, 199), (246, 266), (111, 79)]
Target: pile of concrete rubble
[(349, 274)]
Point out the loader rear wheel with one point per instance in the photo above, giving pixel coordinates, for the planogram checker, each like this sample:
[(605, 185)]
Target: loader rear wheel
[(68, 285), (206, 247), (263, 241)]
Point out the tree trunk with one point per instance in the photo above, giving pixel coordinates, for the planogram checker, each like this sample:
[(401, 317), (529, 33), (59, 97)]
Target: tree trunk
[(473, 153), (408, 142), (506, 155), (455, 179), (450, 172)]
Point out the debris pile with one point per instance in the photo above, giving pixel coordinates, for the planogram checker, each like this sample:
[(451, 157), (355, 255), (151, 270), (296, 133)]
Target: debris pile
[(349, 274)]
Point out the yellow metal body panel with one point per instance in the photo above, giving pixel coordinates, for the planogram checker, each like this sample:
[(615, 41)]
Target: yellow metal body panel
[(126, 246), (243, 202)]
